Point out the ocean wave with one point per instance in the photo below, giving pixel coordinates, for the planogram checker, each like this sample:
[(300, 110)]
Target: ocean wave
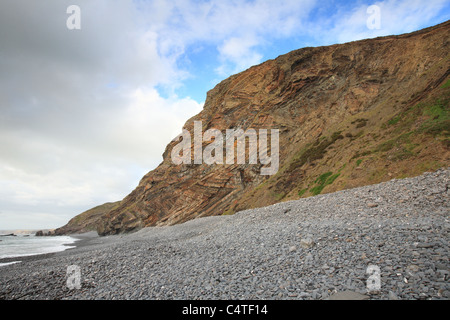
[(29, 246)]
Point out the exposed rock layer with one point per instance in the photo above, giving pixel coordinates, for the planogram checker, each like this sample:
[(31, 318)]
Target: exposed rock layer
[(349, 115)]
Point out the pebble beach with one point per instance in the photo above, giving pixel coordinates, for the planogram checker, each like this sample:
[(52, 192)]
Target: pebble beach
[(388, 241)]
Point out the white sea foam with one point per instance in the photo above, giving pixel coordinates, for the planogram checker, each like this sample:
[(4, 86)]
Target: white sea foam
[(21, 246)]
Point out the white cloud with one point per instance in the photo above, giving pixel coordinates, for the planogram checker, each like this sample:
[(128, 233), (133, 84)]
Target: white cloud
[(397, 17), (227, 24), (61, 170), (238, 54), (148, 118)]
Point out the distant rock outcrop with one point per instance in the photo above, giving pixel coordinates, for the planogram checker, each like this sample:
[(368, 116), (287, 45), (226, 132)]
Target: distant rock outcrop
[(45, 233), (349, 115)]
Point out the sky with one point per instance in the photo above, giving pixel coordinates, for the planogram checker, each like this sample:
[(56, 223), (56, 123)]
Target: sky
[(89, 99)]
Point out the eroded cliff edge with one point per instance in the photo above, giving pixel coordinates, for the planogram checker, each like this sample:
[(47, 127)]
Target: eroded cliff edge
[(349, 115)]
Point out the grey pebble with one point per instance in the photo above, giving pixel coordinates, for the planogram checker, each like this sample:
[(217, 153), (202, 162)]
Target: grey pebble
[(314, 248)]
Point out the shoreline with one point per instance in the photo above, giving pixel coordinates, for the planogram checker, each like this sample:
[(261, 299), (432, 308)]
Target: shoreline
[(83, 240)]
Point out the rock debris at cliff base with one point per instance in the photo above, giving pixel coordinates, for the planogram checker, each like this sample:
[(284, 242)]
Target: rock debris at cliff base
[(314, 248)]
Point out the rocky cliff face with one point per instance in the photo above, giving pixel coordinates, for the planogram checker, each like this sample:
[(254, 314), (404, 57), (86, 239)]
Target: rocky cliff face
[(348, 115)]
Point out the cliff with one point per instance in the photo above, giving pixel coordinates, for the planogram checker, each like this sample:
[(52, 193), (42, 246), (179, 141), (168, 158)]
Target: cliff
[(348, 115)]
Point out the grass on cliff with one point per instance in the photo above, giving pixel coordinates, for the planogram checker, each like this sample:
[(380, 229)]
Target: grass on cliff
[(424, 118), (323, 181), (446, 84), (228, 212), (438, 123), (315, 151)]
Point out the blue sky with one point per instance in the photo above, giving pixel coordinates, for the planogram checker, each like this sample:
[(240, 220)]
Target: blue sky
[(308, 23), (86, 113)]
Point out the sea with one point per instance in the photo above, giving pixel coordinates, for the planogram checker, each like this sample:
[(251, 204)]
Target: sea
[(21, 245)]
